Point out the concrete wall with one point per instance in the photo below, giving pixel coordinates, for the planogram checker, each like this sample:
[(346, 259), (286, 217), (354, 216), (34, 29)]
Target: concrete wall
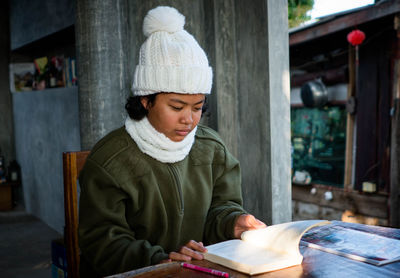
[(251, 85), (264, 107), (34, 19), (46, 124), (305, 211)]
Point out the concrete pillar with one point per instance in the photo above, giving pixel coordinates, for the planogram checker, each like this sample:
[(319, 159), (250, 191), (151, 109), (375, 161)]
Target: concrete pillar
[(252, 83), (279, 111), (104, 81)]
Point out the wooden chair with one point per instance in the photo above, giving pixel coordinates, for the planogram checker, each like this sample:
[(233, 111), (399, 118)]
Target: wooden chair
[(72, 165)]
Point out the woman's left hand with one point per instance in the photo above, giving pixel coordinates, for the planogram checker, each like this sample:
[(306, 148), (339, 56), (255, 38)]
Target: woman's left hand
[(247, 222), (191, 250)]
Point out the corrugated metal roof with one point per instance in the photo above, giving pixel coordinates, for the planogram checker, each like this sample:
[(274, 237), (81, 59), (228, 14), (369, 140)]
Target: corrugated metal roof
[(327, 18), (343, 20)]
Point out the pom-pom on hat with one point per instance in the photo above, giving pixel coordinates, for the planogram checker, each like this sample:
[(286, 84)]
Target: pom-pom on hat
[(170, 60)]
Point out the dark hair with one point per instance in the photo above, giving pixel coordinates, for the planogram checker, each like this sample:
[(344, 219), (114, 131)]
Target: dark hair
[(135, 108), (205, 105), (137, 111)]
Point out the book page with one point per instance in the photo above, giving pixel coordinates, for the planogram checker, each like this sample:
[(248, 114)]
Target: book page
[(248, 258), (282, 238), (354, 244), (263, 250)]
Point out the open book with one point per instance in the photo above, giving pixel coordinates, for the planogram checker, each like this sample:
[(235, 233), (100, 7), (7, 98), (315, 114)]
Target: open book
[(272, 248), (353, 244)]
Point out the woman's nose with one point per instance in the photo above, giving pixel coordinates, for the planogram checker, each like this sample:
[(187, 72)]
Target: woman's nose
[(187, 117)]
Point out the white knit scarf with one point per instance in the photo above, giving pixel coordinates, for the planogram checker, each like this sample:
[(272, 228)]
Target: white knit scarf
[(156, 144)]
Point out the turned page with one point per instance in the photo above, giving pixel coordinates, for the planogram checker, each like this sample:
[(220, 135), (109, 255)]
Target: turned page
[(263, 250), (281, 238)]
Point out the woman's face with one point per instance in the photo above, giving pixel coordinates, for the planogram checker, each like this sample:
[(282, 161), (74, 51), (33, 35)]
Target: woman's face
[(175, 115)]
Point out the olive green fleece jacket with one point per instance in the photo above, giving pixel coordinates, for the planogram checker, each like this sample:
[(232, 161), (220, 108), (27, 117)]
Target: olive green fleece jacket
[(134, 210)]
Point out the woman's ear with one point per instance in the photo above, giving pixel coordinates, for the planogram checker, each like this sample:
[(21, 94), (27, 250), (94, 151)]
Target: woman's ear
[(145, 102)]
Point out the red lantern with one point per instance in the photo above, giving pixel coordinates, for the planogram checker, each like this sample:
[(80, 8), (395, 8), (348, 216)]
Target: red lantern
[(356, 37)]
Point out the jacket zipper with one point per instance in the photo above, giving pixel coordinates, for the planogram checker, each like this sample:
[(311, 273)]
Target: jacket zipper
[(175, 174)]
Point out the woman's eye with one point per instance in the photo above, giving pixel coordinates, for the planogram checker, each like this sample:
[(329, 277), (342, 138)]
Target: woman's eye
[(176, 108), (197, 108)]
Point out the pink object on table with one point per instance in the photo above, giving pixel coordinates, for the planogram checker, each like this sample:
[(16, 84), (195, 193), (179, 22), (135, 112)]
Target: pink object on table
[(206, 270)]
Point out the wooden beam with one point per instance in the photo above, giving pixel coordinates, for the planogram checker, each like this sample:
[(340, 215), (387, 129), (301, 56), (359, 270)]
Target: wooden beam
[(329, 77), (343, 22), (374, 205)]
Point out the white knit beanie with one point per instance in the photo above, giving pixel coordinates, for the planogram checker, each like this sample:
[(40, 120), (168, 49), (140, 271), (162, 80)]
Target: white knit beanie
[(170, 59)]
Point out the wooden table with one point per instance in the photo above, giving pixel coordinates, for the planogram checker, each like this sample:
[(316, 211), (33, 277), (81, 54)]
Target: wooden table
[(315, 264)]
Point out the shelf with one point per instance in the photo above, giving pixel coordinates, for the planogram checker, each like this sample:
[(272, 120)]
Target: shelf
[(48, 90)]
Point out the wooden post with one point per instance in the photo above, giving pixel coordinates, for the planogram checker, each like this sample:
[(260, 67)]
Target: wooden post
[(394, 199), (351, 93)]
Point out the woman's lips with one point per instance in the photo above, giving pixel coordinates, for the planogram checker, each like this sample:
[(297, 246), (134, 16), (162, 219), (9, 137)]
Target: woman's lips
[(183, 132)]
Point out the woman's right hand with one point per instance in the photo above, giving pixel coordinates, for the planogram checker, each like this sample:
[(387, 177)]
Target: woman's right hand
[(191, 250)]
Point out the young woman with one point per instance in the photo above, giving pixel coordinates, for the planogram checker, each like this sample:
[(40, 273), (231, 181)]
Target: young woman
[(154, 190)]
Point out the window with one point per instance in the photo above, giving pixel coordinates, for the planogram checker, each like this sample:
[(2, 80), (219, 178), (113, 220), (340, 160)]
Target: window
[(319, 143)]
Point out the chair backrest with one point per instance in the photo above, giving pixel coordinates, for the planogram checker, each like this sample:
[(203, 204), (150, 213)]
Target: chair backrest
[(72, 165)]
